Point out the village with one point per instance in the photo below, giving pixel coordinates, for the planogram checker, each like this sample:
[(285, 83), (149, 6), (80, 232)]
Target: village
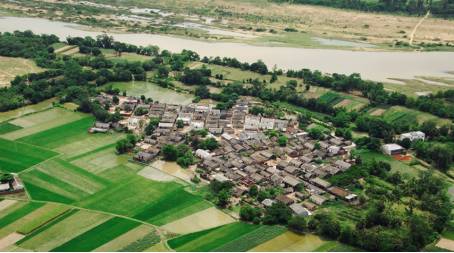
[(246, 156)]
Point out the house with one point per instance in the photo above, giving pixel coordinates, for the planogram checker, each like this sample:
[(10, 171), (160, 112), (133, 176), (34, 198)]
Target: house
[(321, 183), (317, 199), (165, 125), (280, 124), (299, 210), (285, 199), (251, 122), (392, 149), (266, 123), (343, 166), (309, 205), (413, 136), (220, 178), (145, 156), (4, 187), (268, 202), (204, 154), (291, 181), (197, 124), (185, 117)]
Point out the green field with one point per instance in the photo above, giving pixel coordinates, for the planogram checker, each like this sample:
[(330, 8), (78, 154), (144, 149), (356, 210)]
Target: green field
[(60, 135), (19, 213), (7, 127), (217, 238), (16, 156), (98, 235), (38, 122), (399, 114)]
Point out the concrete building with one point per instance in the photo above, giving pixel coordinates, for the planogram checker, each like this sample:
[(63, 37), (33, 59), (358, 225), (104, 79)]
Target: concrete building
[(392, 149), (413, 136)]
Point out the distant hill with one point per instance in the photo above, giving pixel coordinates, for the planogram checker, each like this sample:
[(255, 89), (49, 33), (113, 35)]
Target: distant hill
[(441, 8)]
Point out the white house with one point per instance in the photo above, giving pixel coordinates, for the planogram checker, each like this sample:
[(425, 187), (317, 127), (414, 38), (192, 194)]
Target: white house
[(204, 154), (251, 122), (392, 149), (266, 123), (413, 136)]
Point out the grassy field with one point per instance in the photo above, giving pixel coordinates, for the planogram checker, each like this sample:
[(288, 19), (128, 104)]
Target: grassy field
[(151, 90), (212, 239), (19, 213), (16, 156), (98, 235), (11, 67)]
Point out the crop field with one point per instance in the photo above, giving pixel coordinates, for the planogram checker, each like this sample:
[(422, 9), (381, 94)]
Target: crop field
[(151, 90), (46, 104), (38, 122), (205, 219), (10, 67), (62, 230), (110, 54), (7, 127), (330, 98), (98, 235), (137, 239), (29, 155), (232, 237), (396, 114), (61, 181)]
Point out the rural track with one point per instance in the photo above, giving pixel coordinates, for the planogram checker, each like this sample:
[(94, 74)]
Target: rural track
[(412, 35)]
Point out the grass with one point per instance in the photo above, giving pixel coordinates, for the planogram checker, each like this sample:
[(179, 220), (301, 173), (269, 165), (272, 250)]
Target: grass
[(211, 239), (143, 243), (12, 67), (98, 235), (16, 156), (330, 98), (19, 213), (7, 127)]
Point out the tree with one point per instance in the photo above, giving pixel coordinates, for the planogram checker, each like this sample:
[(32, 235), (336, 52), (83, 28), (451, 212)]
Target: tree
[(163, 71), (282, 140), (298, 224), (278, 213), (250, 214), (154, 122), (328, 226), (253, 191), (169, 152), (202, 91), (180, 123)]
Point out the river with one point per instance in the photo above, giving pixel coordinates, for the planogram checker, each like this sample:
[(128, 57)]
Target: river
[(371, 65)]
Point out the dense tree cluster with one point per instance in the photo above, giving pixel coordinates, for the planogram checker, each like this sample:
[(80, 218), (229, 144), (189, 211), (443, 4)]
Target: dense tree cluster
[(181, 153)]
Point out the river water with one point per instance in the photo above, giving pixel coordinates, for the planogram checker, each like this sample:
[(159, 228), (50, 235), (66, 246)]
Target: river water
[(371, 65)]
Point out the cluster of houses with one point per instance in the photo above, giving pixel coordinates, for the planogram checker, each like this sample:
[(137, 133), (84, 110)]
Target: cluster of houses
[(12, 186), (252, 158), (396, 149), (246, 155)]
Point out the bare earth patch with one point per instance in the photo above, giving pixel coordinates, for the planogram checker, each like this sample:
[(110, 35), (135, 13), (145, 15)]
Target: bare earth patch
[(343, 103), (208, 218), (377, 112), (10, 240), (446, 244), (174, 169)]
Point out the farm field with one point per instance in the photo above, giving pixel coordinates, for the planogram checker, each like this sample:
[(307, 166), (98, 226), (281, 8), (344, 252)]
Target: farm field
[(46, 104), (349, 102), (6, 127), (38, 122), (29, 155), (151, 90), (10, 67), (395, 114), (232, 237), (420, 85), (205, 219)]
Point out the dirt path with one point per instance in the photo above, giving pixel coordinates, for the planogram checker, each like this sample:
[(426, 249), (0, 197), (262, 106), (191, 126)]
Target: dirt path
[(446, 244), (412, 35)]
